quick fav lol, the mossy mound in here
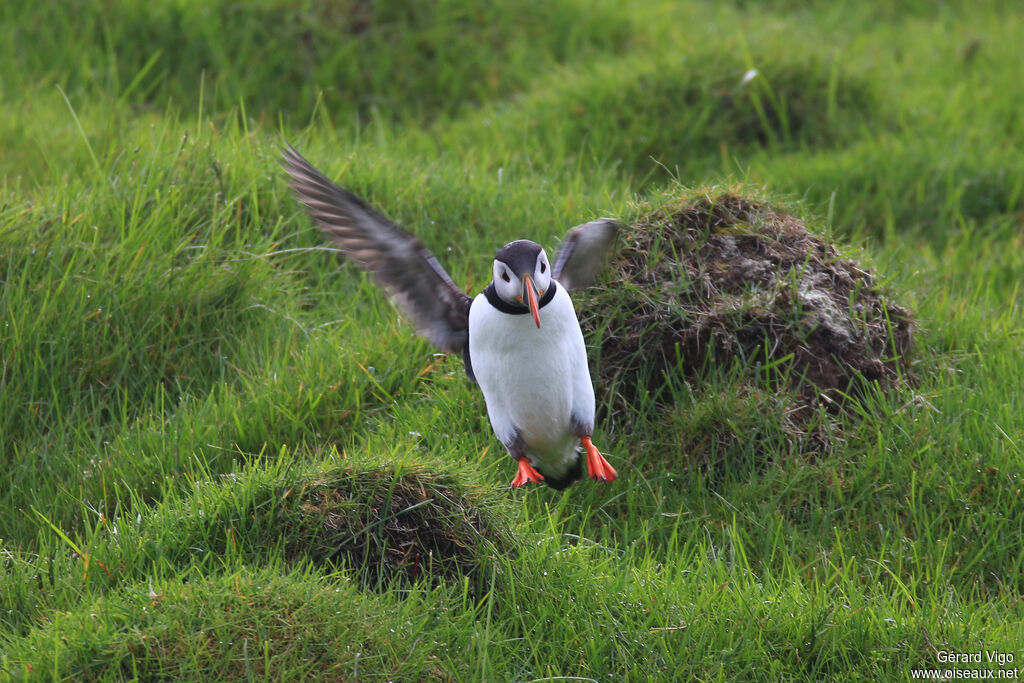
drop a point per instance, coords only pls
(379, 522)
(683, 116)
(724, 279)
(263, 623)
(384, 524)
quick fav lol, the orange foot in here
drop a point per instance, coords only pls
(597, 467)
(526, 473)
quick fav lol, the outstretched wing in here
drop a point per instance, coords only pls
(398, 262)
(582, 253)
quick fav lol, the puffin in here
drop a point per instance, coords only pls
(519, 338)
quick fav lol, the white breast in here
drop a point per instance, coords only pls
(535, 380)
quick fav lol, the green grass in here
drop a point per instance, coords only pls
(216, 440)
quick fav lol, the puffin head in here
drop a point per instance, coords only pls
(521, 275)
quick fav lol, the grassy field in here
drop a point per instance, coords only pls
(226, 458)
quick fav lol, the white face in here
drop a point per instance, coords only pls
(510, 287)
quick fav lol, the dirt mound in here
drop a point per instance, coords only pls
(717, 279)
(384, 525)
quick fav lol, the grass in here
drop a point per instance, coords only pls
(226, 458)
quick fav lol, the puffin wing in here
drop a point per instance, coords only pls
(396, 260)
(582, 253)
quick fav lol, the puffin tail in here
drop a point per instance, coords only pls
(574, 473)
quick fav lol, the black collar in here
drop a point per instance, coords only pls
(505, 307)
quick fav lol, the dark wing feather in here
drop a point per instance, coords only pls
(582, 253)
(398, 262)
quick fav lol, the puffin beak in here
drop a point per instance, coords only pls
(531, 297)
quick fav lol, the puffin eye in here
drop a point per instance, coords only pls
(504, 276)
(543, 266)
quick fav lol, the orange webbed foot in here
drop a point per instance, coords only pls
(525, 474)
(597, 467)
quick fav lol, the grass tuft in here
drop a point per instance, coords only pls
(382, 525)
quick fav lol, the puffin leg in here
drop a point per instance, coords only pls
(526, 473)
(597, 467)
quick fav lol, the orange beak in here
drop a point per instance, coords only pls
(531, 297)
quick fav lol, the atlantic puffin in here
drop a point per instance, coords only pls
(519, 338)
